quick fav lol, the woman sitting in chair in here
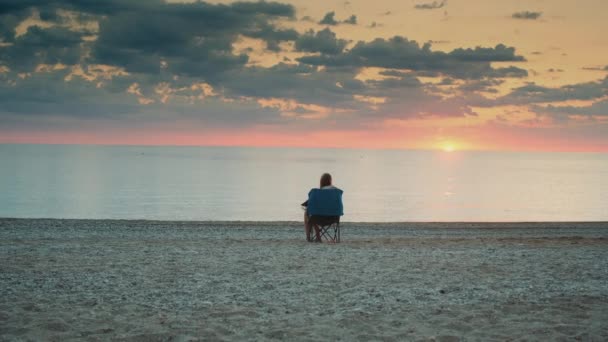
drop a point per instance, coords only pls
(323, 207)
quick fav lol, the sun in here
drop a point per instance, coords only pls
(451, 145)
(448, 147)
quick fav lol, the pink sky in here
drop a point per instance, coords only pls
(466, 75)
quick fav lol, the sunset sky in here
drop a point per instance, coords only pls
(414, 74)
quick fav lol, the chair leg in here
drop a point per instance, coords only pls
(337, 232)
(329, 233)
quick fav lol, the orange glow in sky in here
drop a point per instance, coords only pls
(321, 139)
(455, 76)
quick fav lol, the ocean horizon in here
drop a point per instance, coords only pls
(268, 184)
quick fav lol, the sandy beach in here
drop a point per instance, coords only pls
(187, 281)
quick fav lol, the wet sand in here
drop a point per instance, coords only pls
(181, 281)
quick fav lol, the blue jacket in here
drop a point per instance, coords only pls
(325, 202)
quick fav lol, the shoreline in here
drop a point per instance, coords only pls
(396, 224)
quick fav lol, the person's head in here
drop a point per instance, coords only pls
(325, 180)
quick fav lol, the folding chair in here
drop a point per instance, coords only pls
(329, 230)
(324, 210)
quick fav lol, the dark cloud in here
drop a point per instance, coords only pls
(17, 6)
(156, 42)
(338, 88)
(46, 99)
(397, 81)
(416, 103)
(596, 68)
(328, 19)
(273, 36)
(39, 45)
(324, 41)
(486, 85)
(532, 93)
(330, 87)
(510, 71)
(49, 94)
(8, 23)
(394, 73)
(180, 45)
(188, 38)
(192, 39)
(599, 108)
(107, 7)
(401, 53)
(431, 5)
(526, 15)
(499, 53)
(352, 20)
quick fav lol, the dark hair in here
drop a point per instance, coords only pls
(325, 180)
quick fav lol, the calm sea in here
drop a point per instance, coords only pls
(222, 183)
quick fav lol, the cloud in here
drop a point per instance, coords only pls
(328, 19)
(49, 94)
(596, 68)
(401, 53)
(155, 44)
(54, 45)
(599, 108)
(164, 51)
(409, 101)
(302, 83)
(178, 60)
(532, 93)
(10, 16)
(192, 39)
(526, 15)
(486, 85)
(431, 5)
(324, 41)
(352, 20)
(272, 35)
(45, 99)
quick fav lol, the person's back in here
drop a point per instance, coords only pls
(324, 205)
